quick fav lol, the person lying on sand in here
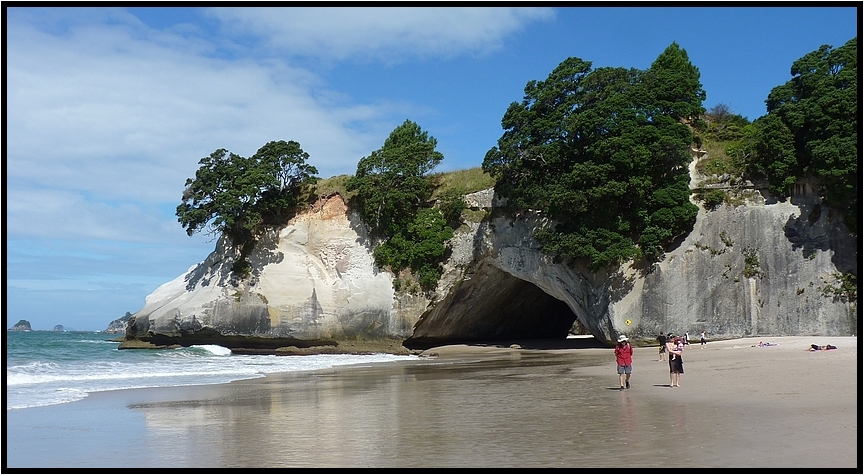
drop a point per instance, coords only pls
(821, 348)
(761, 344)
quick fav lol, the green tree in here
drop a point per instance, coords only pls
(675, 88)
(811, 129)
(775, 149)
(237, 196)
(451, 203)
(393, 194)
(420, 246)
(603, 153)
(391, 184)
(219, 199)
(285, 161)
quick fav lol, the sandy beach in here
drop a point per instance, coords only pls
(535, 405)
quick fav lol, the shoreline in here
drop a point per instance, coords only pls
(739, 406)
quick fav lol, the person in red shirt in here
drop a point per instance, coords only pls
(624, 358)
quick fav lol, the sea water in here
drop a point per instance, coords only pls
(46, 367)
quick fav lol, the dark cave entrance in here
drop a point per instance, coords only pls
(493, 306)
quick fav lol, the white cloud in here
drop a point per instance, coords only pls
(59, 214)
(101, 98)
(382, 33)
(103, 110)
(59, 284)
(99, 115)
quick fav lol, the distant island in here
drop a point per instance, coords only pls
(21, 326)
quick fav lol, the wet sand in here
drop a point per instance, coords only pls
(544, 405)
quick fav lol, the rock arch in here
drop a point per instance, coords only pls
(492, 305)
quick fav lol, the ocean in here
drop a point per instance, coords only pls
(45, 368)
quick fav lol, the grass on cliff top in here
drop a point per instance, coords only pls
(717, 162)
(336, 184)
(467, 181)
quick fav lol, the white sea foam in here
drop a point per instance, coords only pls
(41, 383)
(215, 349)
(100, 342)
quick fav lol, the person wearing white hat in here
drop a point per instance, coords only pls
(624, 358)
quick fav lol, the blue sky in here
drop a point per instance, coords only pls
(110, 109)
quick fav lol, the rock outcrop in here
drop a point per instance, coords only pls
(58, 328)
(755, 269)
(760, 268)
(118, 325)
(21, 326)
(313, 283)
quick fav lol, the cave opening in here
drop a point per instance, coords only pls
(493, 306)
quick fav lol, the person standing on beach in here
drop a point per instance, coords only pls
(670, 347)
(676, 364)
(624, 358)
(662, 339)
(702, 339)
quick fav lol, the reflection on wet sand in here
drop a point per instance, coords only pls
(519, 410)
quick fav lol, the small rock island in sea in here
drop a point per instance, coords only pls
(21, 326)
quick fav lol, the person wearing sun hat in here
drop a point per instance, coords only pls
(624, 358)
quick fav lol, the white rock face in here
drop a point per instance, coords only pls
(795, 248)
(315, 280)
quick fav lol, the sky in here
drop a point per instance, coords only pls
(108, 110)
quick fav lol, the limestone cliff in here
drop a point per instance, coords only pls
(313, 283)
(755, 269)
(759, 268)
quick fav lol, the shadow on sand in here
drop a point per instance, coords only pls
(572, 343)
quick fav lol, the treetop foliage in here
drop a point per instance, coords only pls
(391, 184)
(674, 84)
(604, 154)
(236, 196)
(811, 129)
